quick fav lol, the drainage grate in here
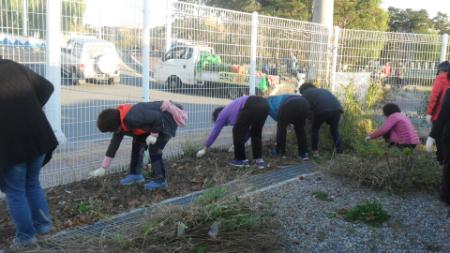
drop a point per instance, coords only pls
(107, 228)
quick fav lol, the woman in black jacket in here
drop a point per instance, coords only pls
(26, 140)
(325, 108)
(152, 125)
(441, 130)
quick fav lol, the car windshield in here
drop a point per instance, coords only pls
(94, 50)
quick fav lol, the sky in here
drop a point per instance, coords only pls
(432, 6)
(123, 13)
(129, 13)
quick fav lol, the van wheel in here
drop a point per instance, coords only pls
(173, 83)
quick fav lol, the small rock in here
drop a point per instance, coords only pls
(214, 230)
(297, 242)
(68, 224)
(181, 228)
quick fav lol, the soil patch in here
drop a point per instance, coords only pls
(88, 201)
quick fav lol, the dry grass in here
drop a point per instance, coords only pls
(245, 226)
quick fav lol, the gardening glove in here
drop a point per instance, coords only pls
(151, 139)
(428, 119)
(367, 139)
(429, 144)
(97, 173)
(201, 152)
(231, 149)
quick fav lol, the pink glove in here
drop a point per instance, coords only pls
(106, 162)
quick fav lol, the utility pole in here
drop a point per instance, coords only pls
(323, 11)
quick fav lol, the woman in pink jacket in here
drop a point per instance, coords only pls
(397, 129)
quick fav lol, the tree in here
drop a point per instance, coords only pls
(409, 21)
(281, 8)
(357, 14)
(360, 14)
(12, 16)
(441, 23)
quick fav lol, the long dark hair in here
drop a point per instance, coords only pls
(390, 108)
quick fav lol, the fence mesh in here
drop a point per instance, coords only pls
(404, 63)
(200, 57)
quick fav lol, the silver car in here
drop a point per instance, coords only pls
(89, 58)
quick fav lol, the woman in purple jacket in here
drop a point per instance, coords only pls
(247, 115)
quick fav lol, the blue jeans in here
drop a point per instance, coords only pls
(26, 200)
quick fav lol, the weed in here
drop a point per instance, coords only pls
(83, 207)
(189, 149)
(323, 196)
(149, 228)
(211, 195)
(118, 238)
(201, 249)
(369, 212)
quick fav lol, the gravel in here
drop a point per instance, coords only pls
(418, 222)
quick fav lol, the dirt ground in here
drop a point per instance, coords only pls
(88, 201)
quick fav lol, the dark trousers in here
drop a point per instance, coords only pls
(155, 151)
(445, 183)
(439, 149)
(251, 119)
(332, 118)
(387, 138)
(293, 112)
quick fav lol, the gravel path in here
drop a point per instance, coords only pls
(418, 223)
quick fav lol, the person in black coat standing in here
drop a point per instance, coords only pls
(325, 108)
(441, 130)
(27, 140)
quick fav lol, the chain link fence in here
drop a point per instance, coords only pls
(109, 52)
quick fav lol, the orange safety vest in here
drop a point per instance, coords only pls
(123, 111)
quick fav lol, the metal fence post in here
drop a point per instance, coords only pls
(444, 47)
(337, 31)
(254, 44)
(169, 25)
(146, 52)
(53, 66)
(25, 17)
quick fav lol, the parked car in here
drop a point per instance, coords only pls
(89, 58)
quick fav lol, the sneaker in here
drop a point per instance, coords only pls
(239, 163)
(156, 184)
(304, 157)
(17, 245)
(260, 164)
(43, 230)
(132, 179)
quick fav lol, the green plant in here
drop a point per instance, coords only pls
(211, 195)
(149, 228)
(323, 196)
(189, 149)
(369, 212)
(83, 207)
(118, 238)
(201, 249)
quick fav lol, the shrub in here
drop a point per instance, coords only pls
(369, 212)
(374, 164)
